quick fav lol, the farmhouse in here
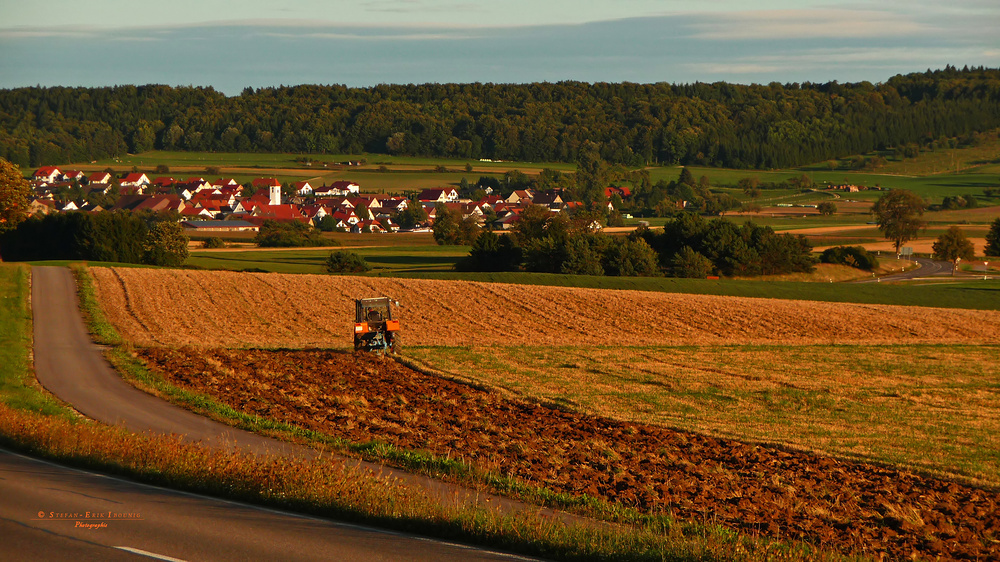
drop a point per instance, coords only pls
(48, 174)
(438, 195)
(99, 177)
(521, 196)
(347, 187)
(135, 179)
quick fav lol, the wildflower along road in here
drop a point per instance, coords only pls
(71, 366)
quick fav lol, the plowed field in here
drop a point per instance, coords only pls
(216, 308)
(854, 507)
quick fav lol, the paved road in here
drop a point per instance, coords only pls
(140, 521)
(72, 367)
(928, 268)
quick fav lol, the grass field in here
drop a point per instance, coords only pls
(933, 174)
(435, 262)
(384, 260)
(934, 408)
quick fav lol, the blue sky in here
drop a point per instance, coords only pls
(231, 45)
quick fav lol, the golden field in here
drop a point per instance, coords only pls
(230, 309)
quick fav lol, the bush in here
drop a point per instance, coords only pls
(346, 262)
(213, 243)
(274, 234)
(327, 224)
(826, 208)
(689, 263)
(491, 252)
(630, 258)
(854, 256)
(165, 245)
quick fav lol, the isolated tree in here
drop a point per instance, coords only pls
(592, 173)
(14, 194)
(686, 177)
(343, 261)
(801, 182)
(531, 224)
(411, 216)
(165, 245)
(826, 208)
(451, 228)
(953, 246)
(898, 215)
(750, 187)
(993, 239)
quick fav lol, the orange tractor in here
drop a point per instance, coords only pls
(374, 328)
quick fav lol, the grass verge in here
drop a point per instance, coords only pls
(629, 535)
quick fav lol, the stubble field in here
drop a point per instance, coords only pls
(178, 307)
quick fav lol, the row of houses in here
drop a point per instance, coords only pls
(137, 183)
(507, 210)
(197, 199)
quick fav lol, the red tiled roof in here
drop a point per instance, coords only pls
(266, 182)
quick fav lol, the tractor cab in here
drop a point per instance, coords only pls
(374, 328)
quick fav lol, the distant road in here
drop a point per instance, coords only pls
(171, 525)
(928, 267)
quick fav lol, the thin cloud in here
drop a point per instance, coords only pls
(806, 24)
(889, 57)
(736, 68)
(372, 37)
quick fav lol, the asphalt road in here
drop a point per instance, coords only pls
(72, 367)
(49, 512)
(928, 268)
(69, 365)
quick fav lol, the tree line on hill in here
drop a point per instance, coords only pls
(720, 124)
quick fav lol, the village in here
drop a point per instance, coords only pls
(225, 205)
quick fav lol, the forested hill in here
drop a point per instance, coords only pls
(720, 124)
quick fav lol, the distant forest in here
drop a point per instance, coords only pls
(721, 124)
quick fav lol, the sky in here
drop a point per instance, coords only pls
(232, 45)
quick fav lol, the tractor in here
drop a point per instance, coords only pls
(374, 328)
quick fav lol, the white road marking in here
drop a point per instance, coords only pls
(149, 554)
(330, 522)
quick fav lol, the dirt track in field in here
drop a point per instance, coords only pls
(852, 507)
(227, 309)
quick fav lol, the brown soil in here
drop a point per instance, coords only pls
(229, 309)
(853, 507)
